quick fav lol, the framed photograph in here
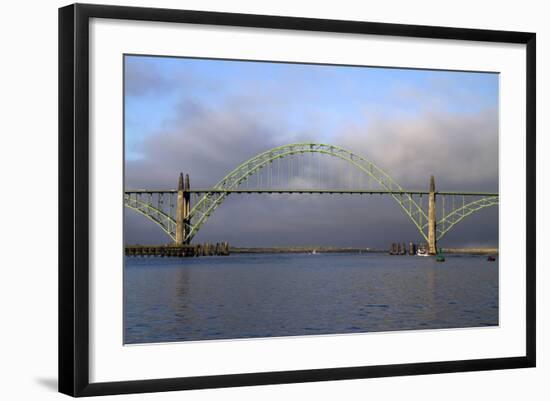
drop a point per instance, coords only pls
(251, 199)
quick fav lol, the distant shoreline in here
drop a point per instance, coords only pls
(471, 251)
(210, 249)
(322, 249)
(305, 249)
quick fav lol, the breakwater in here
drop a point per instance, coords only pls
(223, 249)
(397, 248)
(185, 250)
(305, 249)
(471, 251)
(401, 250)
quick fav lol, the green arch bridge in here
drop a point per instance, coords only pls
(296, 168)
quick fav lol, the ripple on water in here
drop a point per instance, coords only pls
(250, 296)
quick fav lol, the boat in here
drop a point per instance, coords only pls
(491, 258)
(422, 251)
(314, 252)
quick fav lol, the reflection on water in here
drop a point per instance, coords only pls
(244, 296)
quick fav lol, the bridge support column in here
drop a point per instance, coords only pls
(432, 245)
(182, 209)
(187, 203)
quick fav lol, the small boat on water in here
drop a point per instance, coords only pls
(491, 258)
(422, 251)
(314, 252)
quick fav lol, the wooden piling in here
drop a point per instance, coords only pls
(184, 250)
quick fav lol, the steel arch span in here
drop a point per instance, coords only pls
(211, 201)
(215, 196)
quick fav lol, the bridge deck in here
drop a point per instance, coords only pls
(307, 191)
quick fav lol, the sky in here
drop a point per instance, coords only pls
(204, 117)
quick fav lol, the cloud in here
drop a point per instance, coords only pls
(461, 150)
(207, 143)
(143, 78)
(209, 140)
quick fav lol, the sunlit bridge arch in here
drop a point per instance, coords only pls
(166, 222)
(152, 204)
(456, 215)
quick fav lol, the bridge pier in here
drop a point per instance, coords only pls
(432, 245)
(187, 203)
(183, 208)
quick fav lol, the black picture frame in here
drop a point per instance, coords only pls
(74, 198)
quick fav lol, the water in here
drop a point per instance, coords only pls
(264, 295)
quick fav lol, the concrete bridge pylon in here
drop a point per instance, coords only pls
(183, 208)
(432, 242)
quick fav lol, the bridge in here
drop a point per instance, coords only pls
(305, 168)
